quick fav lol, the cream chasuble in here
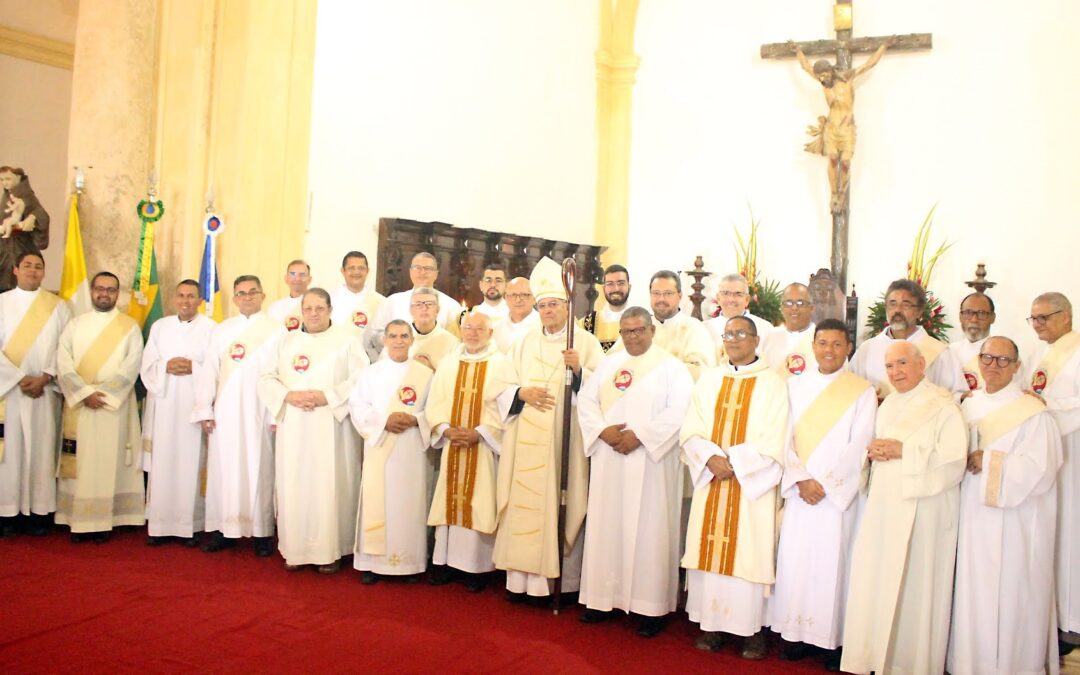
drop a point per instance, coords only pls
(175, 452)
(631, 559)
(101, 485)
(790, 353)
(526, 542)
(463, 507)
(1004, 618)
(240, 456)
(1053, 371)
(900, 595)
(833, 418)
(30, 326)
(316, 452)
(942, 368)
(358, 311)
(287, 311)
(391, 526)
(740, 413)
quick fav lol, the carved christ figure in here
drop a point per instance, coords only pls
(834, 136)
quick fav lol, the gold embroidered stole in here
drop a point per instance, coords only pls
(606, 332)
(435, 345)
(825, 411)
(373, 477)
(461, 460)
(22, 341)
(993, 426)
(96, 355)
(720, 526)
(1058, 355)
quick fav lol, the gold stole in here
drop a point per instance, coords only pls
(1057, 356)
(607, 332)
(825, 411)
(435, 347)
(630, 372)
(107, 341)
(720, 525)
(995, 425)
(373, 477)
(461, 461)
(252, 338)
(22, 341)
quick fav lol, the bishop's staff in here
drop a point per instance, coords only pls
(569, 272)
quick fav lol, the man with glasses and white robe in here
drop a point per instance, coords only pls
(423, 272)
(733, 299)
(976, 317)
(789, 349)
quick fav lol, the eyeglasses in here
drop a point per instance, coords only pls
(666, 295)
(732, 294)
(979, 314)
(1002, 361)
(518, 296)
(550, 305)
(795, 303)
(905, 305)
(248, 294)
(1040, 320)
(615, 284)
(299, 275)
(735, 336)
(423, 268)
(633, 332)
(425, 304)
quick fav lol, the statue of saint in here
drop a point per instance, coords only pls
(829, 300)
(24, 223)
(834, 136)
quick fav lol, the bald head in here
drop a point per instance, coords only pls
(905, 365)
(519, 298)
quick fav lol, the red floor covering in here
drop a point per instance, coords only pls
(126, 607)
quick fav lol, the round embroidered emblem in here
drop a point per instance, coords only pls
(796, 364)
(407, 395)
(359, 319)
(1038, 381)
(972, 381)
(237, 352)
(292, 323)
(300, 363)
(623, 379)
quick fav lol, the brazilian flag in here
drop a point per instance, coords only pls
(145, 306)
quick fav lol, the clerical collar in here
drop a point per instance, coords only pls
(558, 332)
(747, 365)
(670, 318)
(193, 316)
(303, 328)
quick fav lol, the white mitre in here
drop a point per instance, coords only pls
(546, 280)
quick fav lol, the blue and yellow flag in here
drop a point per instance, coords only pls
(209, 286)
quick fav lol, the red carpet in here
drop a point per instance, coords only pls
(126, 607)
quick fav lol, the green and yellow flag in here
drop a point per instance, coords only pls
(145, 306)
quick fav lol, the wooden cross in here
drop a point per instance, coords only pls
(843, 47)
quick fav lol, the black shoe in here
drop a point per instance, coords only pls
(650, 626)
(1065, 648)
(540, 601)
(755, 647)
(411, 578)
(101, 537)
(81, 537)
(832, 660)
(8, 527)
(476, 583)
(190, 542)
(440, 575)
(156, 541)
(38, 525)
(710, 641)
(264, 546)
(596, 616)
(515, 598)
(218, 542)
(794, 651)
(369, 578)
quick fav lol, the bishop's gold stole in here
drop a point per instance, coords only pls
(461, 460)
(22, 341)
(96, 355)
(720, 525)
(373, 477)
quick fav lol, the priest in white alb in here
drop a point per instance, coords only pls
(905, 301)
(522, 316)
(1053, 373)
(732, 300)
(31, 321)
(306, 388)
(531, 399)
(789, 349)
(630, 411)
(287, 309)
(1004, 617)
(356, 306)
(900, 594)
(240, 451)
(174, 452)
(431, 342)
(100, 475)
(387, 407)
(832, 413)
(465, 426)
(423, 272)
(977, 315)
(733, 442)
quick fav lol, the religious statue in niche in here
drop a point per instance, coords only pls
(24, 223)
(829, 300)
(834, 136)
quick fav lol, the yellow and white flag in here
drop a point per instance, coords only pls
(74, 286)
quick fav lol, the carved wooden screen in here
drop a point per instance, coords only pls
(463, 252)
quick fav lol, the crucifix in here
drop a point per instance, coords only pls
(834, 136)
